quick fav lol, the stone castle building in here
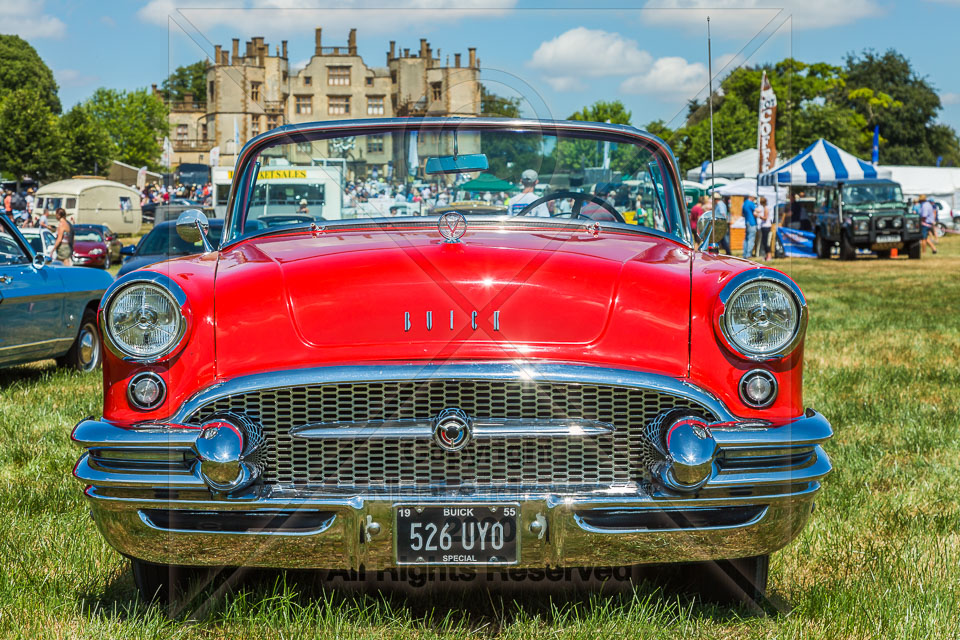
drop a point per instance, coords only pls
(253, 92)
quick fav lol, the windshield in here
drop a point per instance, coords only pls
(881, 193)
(404, 172)
(164, 241)
(86, 234)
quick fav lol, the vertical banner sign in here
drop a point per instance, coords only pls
(215, 156)
(141, 178)
(166, 156)
(875, 155)
(766, 127)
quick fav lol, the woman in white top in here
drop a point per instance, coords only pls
(765, 217)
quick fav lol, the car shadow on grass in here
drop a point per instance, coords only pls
(448, 600)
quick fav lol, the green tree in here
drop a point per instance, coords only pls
(87, 148)
(602, 111)
(843, 127)
(23, 68)
(911, 132)
(29, 139)
(734, 130)
(498, 106)
(136, 122)
(190, 78)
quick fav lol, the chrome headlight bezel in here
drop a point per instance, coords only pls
(168, 287)
(736, 285)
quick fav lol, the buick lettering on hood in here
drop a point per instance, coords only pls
(572, 379)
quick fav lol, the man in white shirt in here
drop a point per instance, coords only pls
(515, 205)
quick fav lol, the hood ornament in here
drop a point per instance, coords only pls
(452, 226)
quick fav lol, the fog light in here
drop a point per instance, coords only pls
(229, 452)
(758, 388)
(146, 391)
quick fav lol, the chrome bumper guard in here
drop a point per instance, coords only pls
(152, 504)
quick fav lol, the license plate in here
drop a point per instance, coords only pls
(890, 238)
(463, 535)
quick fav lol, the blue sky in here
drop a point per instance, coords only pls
(557, 56)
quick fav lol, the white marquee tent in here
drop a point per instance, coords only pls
(821, 162)
(941, 182)
(744, 164)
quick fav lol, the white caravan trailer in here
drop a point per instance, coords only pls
(92, 201)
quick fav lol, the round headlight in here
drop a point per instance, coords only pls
(763, 318)
(143, 321)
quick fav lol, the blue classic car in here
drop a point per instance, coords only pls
(46, 310)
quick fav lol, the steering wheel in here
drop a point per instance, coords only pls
(578, 200)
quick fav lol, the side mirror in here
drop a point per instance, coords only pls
(712, 229)
(128, 250)
(192, 227)
(39, 260)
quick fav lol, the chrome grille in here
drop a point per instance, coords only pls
(493, 462)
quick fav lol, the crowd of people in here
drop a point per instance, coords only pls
(157, 194)
(758, 218)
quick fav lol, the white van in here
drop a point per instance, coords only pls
(92, 201)
(281, 188)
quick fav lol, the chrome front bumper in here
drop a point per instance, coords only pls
(173, 518)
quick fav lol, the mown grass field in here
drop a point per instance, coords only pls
(879, 559)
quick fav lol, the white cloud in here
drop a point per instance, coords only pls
(569, 61)
(581, 52)
(739, 17)
(107, 20)
(74, 78)
(281, 17)
(28, 21)
(950, 99)
(670, 77)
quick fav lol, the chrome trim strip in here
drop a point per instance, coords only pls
(817, 469)
(91, 433)
(421, 430)
(577, 518)
(526, 371)
(809, 429)
(38, 344)
(287, 534)
(87, 473)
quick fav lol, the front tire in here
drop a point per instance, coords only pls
(914, 250)
(884, 254)
(742, 581)
(161, 583)
(821, 248)
(107, 262)
(847, 250)
(86, 352)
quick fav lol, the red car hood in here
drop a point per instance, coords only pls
(84, 247)
(355, 295)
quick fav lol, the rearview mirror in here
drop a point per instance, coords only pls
(457, 164)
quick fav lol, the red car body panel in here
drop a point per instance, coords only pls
(82, 249)
(301, 299)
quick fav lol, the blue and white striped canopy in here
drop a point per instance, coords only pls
(821, 162)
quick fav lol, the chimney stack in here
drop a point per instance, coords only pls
(236, 49)
(472, 51)
(456, 60)
(352, 42)
(406, 53)
(423, 47)
(316, 37)
(393, 46)
(284, 49)
(216, 54)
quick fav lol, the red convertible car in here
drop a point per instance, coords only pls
(530, 389)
